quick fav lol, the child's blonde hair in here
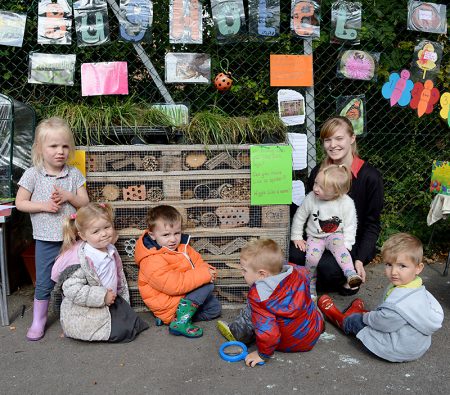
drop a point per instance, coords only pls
(43, 129)
(402, 243)
(337, 178)
(329, 128)
(263, 254)
(164, 213)
(80, 221)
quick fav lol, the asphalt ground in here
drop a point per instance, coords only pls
(160, 363)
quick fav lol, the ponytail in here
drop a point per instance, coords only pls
(70, 233)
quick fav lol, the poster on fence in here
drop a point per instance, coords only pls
(264, 18)
(12, 28)
(440, 177)
(229, 20)
(426, 61)
(54, 22)
(305, 19)
(137, 19)
(291, 70)
(291, 107)
(91, 22)
(185, 22)
(358, 65)
(427, 17)
(354, 109)
(44, 68)
(271, 174)
(188, 68)
(104, 78)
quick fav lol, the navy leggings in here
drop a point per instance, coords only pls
(209, 307)
(46, 253)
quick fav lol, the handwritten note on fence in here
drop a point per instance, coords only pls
(271, 174)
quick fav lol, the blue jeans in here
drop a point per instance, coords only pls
(46, 253)
(353, 323)
(209, 307)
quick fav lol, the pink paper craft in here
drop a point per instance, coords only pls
(106, 78)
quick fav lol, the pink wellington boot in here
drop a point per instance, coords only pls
(37, 329)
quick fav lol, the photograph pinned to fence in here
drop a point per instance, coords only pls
(291, 70)
(52, 69)
(291, 107)
(91, 22)
(54, 22)
(229, 20)
(426, 61)
(136, 22)
(12, 28)
(188, 68)
(358, 65)
(185, 22)
(305, 19)
(345, 22)
(354, 109)
(104, 78)
(264, 18)
(427, 17)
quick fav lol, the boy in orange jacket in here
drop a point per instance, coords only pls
(174, 281)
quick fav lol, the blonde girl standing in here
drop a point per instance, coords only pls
(89, 271)
(50, 191)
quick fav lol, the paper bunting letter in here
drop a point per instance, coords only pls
(137, 19)
(185, 22)
(445, 104)
(398, 89)
(424, 97)
(305, 18)
(264, 18)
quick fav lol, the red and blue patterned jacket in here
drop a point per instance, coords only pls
(283, 314)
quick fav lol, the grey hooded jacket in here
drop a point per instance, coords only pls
(400, 329)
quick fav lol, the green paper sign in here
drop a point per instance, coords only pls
(271, 174)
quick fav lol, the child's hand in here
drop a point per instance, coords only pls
(110, 297)
(50, 207)
(60, 196)
(252, 359)
(300, 244)
(213, 272)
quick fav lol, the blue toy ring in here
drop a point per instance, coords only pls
(234, 358)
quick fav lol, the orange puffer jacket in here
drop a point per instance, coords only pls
(166, 276)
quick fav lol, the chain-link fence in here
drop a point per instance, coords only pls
(397, 141)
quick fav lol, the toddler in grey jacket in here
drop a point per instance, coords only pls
(400, 328)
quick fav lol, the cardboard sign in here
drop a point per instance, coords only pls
(291, 70)
(271, 174)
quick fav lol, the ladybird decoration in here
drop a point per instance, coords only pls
(223, 81)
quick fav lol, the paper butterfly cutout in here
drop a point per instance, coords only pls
(424, 97)
(445, 104)
(398, 89)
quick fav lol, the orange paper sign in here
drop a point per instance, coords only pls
(291, 70)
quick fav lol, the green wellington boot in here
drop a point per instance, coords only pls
(183, 322)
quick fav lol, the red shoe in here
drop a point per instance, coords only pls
(329, 310)
(357, 306)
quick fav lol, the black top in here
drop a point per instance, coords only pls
(368, 195)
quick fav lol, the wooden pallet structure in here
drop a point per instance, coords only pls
(210, 186)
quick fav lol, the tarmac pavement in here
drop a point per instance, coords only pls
(159, 363)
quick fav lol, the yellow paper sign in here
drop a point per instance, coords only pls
(79, 161)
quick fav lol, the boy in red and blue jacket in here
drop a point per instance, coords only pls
(283, 315)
